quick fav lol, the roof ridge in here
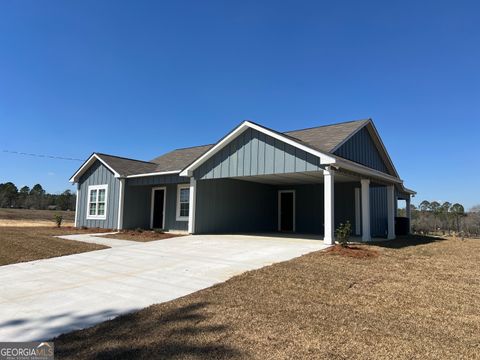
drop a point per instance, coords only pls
(326, 125)
(125, 158)
(191, 147)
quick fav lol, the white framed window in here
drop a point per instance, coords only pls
(183, 202)
(97, 202)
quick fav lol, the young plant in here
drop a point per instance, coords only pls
(58, 220)
(343, 233)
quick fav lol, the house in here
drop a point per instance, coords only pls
(254, 179)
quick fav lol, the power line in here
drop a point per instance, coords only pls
(42, 155)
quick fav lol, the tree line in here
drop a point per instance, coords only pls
(34, 198)
(434, 217)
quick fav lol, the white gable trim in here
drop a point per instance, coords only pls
(155, 174)
(94, 157)
(188, 171)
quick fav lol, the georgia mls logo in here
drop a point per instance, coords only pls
(26, 351)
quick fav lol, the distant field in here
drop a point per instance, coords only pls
(26, 217)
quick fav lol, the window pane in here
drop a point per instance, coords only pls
(184, 209)
(101, 195)
(184, 195)
(93, 196)
(92, 210)
(101, 208)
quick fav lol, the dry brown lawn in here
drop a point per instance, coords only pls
(143, 236)
(20, 244)
(33, 218)
(415, 299)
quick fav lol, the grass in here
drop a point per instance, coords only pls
(20, 244)
(27, 217)
(416, 298)
(142, 236)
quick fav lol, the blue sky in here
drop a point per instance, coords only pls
(139, 78)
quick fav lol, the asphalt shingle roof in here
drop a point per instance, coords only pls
(323, 138)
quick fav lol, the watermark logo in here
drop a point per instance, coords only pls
(32, 350)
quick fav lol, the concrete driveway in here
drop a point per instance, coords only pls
(44, 298)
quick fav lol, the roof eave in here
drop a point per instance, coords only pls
(89, 162)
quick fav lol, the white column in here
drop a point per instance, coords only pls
(391, 212)
(328, 177)
(76, 205)
(191, 210)
(366, 234)
(408, 213)
(121, 196)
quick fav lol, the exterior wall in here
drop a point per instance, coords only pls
(232, 206)
(361, 149)
(254, 153)
(229, 206)
(138, 202)
(378, 211)
(98, 174)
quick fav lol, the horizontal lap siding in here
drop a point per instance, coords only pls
(254, 153)
(98, 174)
(361, 149)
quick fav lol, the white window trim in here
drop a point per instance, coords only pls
(280, 192)
(181, 186)
(97, 187)
(152, 207)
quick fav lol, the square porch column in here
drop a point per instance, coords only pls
(328, 179)
(408, 213)
(391, 212)
(191, 209)
(366, 233)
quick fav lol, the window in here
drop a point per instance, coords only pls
(183, 202)
(97, 202)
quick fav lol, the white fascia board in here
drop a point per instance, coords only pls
(324, 158)
(89, 163)
(364, 170)
(155, 174)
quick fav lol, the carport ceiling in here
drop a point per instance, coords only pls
(308, 177)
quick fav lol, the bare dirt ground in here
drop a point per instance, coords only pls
(142, 236)
(416, 298)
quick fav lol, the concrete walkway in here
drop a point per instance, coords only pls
(44, 298)
(97, 239)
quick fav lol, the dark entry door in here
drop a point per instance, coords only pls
(287, 203)
(158, 208)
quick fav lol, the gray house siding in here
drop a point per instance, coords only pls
(232, 206)
(361, 149)
(378, 211)
(235, 206)
(98, 174)
(254, 153)
(138, 202)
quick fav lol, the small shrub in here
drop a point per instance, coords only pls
(139, 230)
(84, 227)
(58, 220)
(158, 231)
(343, 233)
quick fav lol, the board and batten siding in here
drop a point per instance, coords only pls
(378, 211)
(98, 174)
(138, 201)
(254, 153)
(361, 149)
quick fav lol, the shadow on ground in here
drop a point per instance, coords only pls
(406, 241)
(181, 332)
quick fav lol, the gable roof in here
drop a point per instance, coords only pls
(321, 141)
(180, 158)
(328, 137)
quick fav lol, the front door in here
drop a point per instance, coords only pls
(286, 209)
(158, 208)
